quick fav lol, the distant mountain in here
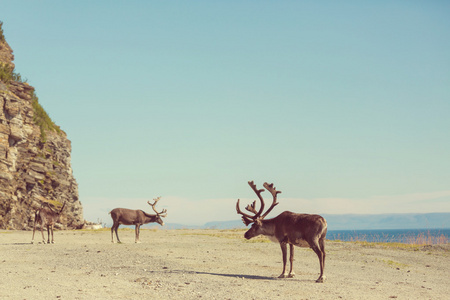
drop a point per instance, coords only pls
(224, 225)
(388, 221)
(179, 226)
(355, 222)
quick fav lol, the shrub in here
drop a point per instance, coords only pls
(42, 119)
(7, 74)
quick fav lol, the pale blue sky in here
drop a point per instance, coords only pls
(344, 105)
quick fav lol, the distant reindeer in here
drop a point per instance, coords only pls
(135, 217)
(47, 217)
(302, 230)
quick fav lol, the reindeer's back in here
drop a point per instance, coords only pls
(46, 215)
(127, 216)
(301, 227)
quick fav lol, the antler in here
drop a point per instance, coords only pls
(252, 208)
(62, 207)
(274, 193)
(258, 193)
(163, 213)
(247, 219)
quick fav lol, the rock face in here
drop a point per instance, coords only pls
(34, 160)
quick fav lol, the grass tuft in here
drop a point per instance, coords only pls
(54, 203)
(394, 264)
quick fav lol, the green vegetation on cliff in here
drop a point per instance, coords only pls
(7, 74)
(2, 37)
(42, 119)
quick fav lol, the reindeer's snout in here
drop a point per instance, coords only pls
(247, 236)
(160, 221)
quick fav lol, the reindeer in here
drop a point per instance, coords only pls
(47, 217)
(301, 230)
(135, 217)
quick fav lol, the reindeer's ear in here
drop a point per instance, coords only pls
(246, 220)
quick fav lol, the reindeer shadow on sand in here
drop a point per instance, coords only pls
(247, 276)
(15, 244)
(240, 276)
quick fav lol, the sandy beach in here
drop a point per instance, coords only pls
(211, 264)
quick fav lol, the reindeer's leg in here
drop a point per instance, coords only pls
(34, 229)
(112, 233)
(317, 249)
(117, 235)
(137, 230)
(322, 267)
(114, 228)
(42, 232)
(284, 252)
(48, 234)
(291, 260)
(51, 230)
(37, 219)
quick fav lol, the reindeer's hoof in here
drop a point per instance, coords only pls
(292, 275)
(321, 279)
(53, 242)
(137, 242)
(282, 276)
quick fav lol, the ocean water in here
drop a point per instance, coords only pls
(408, 236)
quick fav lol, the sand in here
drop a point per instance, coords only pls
(211, 264)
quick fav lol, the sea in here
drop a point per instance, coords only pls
(407, 236)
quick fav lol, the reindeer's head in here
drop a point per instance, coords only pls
(159, 220)
(255, 229)
(257, 218)
(54, 213)
(159, 215)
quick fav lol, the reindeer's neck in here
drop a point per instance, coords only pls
(150, 218)
(268, 228)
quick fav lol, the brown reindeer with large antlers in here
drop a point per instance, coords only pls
(135, 217)
(47, 217)
(301, 230)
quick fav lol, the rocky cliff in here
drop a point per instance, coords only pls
(34, 155)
